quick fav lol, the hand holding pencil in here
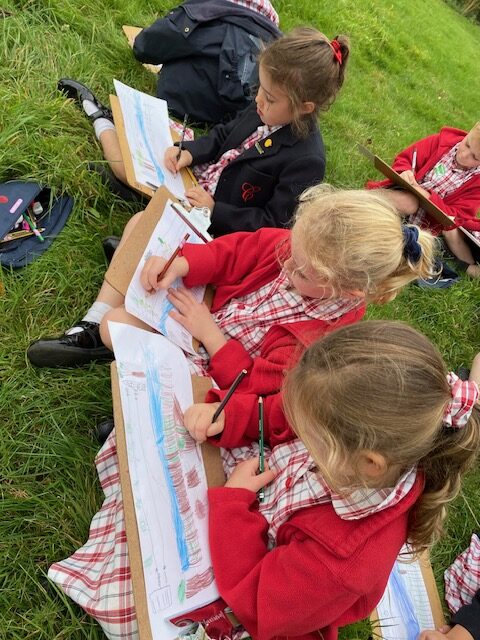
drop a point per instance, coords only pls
(159, 273)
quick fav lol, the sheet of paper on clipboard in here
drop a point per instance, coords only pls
(410, 603)
(166, 475)
(154, 308)
(148, 134)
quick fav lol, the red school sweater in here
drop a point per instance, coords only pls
(238, 264)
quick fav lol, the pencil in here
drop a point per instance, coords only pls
(187, 222)
(182, 137)
(33, 227)
(261, 464)
(235, 384)
(172, 257)
(414, 161)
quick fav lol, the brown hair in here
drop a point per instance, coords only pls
(354, 240)
(304, 62)
(381, 386)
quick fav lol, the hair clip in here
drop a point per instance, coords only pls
(412, 249)
(464, 396)
(337, 50)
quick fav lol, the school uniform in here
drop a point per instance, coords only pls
(240, 265)
(260, 187)
(331, 557)
(462, 203)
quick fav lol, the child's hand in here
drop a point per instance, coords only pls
(171, 162)
(409, 177)
(154, 266)
(198, 420)
(196, 318)
(245, 476)
(198, 197)
(456, 632)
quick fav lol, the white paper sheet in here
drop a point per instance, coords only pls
(167, 476)
(148, 134)
(405, 612)
(154, 308)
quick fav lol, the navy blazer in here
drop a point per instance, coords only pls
(260, 188)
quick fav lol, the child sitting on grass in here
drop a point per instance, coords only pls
(260, 162)
(383, 436)
(276, 290)
(447, 171)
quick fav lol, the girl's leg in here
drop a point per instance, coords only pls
(82, 344)
(120, 314)
(462, 251)
(112, 153)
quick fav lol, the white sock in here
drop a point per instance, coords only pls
(94, 314)
(101, 124)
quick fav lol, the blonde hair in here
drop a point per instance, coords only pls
(381, 386)
(304, 63)
(354, 240)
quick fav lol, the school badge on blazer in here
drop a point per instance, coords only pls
(31, 217)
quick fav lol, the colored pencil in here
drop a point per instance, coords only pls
(261, 465)
(414, 161)
(235, 384)
(33, 227)
(182, 137)
(177, 210)
(172, 257)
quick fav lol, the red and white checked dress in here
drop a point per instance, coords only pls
(97, 576)
(462, 578)
(444, 178)
(248, 318)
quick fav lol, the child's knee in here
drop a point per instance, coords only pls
(115, 315)
(131, 224)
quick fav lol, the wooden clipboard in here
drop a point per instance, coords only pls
(132, 33)
(187, 176)
(215, 478)
(430, 207)
(125, 260)
(432, 592)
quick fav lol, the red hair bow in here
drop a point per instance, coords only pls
(337, 51)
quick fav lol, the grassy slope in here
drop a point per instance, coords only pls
(402, 85)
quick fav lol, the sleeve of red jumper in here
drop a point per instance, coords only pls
(241, 420)
(265, 372)
(462, 205)
(288, 591)
(217, 262)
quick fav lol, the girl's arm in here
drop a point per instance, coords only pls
(227, 260)
(292, 181)
(288, 591)
(425, 149)
(207, 148)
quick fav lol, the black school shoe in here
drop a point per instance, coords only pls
(104, 429)
(74, 350)
(80, 92)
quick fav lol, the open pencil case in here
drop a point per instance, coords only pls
(23, 207)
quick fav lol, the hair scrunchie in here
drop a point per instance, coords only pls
(337, 50)
(412, 249)
(464, 396)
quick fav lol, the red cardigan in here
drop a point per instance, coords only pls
(324, 573)
(238, 264)
(463, 204)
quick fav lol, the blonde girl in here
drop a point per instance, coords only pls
(276, 290)
(384, 435)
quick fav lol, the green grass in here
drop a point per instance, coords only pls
(413, 69)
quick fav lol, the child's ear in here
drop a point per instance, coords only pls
(372, 465)
(308, 107)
